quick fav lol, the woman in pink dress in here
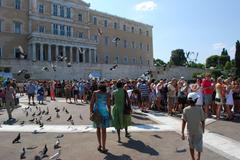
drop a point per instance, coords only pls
(52, 91)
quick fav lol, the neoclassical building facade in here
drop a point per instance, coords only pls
(47, 29)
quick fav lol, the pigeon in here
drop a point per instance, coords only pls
(43, 112)
(43, 153)
(70, 118)
(39, 113)
(37, 157)
(63, 109)
(116, 40)
(16, 140)
(26, 114)
(69, 64)
(21, 53)
(31, 120)
(47, 112)
(66, 111)
(80, 117)
(100, 32)
(46, 69)
(33, 114)
(60, 136)
(58, 116)
(41, 124)
(54, 67)
(82, 50)
(114, 67)
(35, 132)
(21, 72)
(22, 156)
(72, 122)
(57, 144)
(57, 109)
(62, 58)
(22, 123)
(56, 155)
(49, 119)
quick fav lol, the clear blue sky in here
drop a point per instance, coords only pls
(204, 26)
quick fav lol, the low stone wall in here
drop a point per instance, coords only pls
(77, 71)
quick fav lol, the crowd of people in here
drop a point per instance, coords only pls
(220, 97)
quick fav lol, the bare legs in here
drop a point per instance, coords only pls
(101, 139)
(193, 156)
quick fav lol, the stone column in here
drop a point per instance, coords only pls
(71, 55)
(84, 58)
(34, 52)
(41, 52)
(77, 55)
(64, 51)
(95, 55)
(49, 53)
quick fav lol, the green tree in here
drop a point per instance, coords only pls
(224, 58)
(237, 58)
(228, 66)
(158, 62)
(178, 57)
(212, 61)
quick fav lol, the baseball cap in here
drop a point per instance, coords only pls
(193, 96)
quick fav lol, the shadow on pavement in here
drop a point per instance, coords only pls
(110, 156)
(141, 147)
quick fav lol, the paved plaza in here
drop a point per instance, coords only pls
(153, 135)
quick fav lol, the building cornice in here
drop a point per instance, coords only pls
(118, 17)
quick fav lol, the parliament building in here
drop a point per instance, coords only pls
(91, 41)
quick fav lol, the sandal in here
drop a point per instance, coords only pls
(99, 148)
(104, 150)
(128, 135)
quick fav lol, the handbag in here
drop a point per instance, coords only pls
(96, 117)
(127, 107)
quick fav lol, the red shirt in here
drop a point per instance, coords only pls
(207, 83)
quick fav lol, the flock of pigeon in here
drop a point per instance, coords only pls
(37, 116)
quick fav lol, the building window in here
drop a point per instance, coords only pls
(117, 60)
(106, 41)
(140, 31)
(80, 34)
(132, 29)
(125, 60)
(68, 12)
(95, 20)
(80, 17)
(134, 61)
(62, 30)
(105, 23)
(141, 46)
(55, 29)
(62, 11)
(55, 9)
(115, 25)
(17, 4)
(106, 60)
(1, 54)
(124, 27)
(41, 29)
(148, 48)
(141, 61)
(1, 25)
(133, 44)
(125, 43)
(95, 38)
(40, 8)
(147, 33)
(69, 31)
(0, 3)
(17, 27)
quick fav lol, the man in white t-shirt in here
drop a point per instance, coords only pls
(194, 117)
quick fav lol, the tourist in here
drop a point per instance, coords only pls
(194, 118)
(68, 91)
(229, 98)
(144, 92)
(236, 96)
(198, 89)
(207, 88)
(121, 110)
(10, 95)
(52, 90)
(31, 89)
(171, 95)
(75, 92)
(101, 103)
(220, 96)
(40, 94)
